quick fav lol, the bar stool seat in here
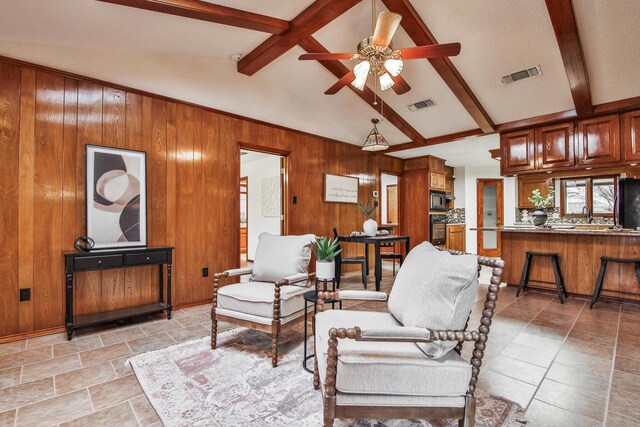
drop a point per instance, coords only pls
(526, 269)
(603, 269)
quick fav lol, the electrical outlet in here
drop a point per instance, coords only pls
(25, 294)
(205, 272)
(295, 200)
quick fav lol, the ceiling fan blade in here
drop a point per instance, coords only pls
(327, 56)
(400, 85)
(430, 51)
(345, 80)
(386, 27)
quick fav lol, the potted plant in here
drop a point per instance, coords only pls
(539, 215)
(326, 251)
(370, 226)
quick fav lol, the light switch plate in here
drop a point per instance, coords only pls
(375, 194)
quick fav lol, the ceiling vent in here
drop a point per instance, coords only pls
(522, 75)
(422, 104)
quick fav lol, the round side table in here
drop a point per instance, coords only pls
(312, 297)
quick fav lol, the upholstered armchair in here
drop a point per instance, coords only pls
(407, 363)
(272, 299)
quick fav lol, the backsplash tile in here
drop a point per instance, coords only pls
(455, 216)
(523, 216)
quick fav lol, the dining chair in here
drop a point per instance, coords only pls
(351, 260)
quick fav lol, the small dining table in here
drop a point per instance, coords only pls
(376, 241)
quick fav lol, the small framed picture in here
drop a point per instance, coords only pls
(340, 188)
(116, 191)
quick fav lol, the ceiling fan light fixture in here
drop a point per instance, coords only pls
(394, 66)
(361, 71)
(375, 141)
(386, 81)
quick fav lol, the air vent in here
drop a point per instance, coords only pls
(522, 75)
(422, 104)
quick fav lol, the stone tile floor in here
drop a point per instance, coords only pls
(567, 364)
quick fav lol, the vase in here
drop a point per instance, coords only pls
(325, 270)
(370, 227)
(538, 217)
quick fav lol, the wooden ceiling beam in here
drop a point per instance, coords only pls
(310, 20)
(338, 69)
(204, 11)
(564, 25)
(443, 139)
(420, 34)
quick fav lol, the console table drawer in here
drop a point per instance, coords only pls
(93, 263)
(146, 258)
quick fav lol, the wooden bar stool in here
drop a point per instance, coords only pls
(526, 269)
(603, 269)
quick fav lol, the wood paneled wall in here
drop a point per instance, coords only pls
(193, 167)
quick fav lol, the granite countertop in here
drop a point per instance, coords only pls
(456, 223)
(563, 230)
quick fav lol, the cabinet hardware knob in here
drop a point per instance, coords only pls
(147, 258)
(99, 261)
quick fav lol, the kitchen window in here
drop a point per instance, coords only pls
(596, 193)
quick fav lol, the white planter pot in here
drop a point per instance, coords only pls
(325, 270)
(370, 227)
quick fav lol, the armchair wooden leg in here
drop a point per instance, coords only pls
(316, 373)
(214, 329)
(328, 422)
(274, 349)
(469, 419)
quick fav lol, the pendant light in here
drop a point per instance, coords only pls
(375, 141)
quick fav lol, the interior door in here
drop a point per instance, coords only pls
(244, 216)
(392, 204)
(490, 213)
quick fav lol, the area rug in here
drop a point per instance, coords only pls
(190, 385)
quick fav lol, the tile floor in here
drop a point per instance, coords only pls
(567, 364)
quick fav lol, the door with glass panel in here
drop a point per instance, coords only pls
(490, 214)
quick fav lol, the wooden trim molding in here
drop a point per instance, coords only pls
(564, 25)
(205, 11)
(420, 34)
(310, 20)
(338, 69)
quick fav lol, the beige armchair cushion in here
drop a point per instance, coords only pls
(391, 368)
(256, 298)
(434, 290)
(278, 257)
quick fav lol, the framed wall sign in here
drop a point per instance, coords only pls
(116, 197)
(340, 188)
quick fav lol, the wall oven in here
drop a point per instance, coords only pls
(438, 235)
(438, 201)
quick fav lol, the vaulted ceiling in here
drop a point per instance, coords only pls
(587, 50)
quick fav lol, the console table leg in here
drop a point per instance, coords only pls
(69, 297)
(168, 291)
(161, 281)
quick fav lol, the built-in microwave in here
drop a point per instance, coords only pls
(438, 201)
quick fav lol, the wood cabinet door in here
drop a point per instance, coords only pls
(631, 135)
(526, 186)
(518, 151)
(456, 238)
(599, 140)
(414, 206)
(438, 181)
(555, 146)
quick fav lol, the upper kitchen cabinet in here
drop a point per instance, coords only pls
(438, 181)
(598, 140)
(631, 135)
(555, 146)
(518, 151)
(526, 187)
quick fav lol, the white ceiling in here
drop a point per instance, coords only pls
(464, 152)
(189, 60)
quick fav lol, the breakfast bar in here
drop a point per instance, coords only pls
(579, 251)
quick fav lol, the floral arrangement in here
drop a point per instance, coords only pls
(542, 202)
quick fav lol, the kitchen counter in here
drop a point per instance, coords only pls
(595, 231)
(579, 253)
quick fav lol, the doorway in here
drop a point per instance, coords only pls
(389, 198)
(490, 213)
(261, 199)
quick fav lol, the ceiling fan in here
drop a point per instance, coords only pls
(377, 57)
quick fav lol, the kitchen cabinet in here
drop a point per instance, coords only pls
(448, 186)
(555, 146)
(414, 215)
(526, 186)
(456, 237)
(631, 135)
(598, 140)
(518, 151)
(438, 181)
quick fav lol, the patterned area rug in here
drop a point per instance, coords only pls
(190, 385)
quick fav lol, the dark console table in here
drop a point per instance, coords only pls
(76, 262)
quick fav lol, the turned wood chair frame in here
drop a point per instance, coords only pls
(465, 415)
(276, 325)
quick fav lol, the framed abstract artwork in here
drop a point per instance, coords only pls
(116, 197)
